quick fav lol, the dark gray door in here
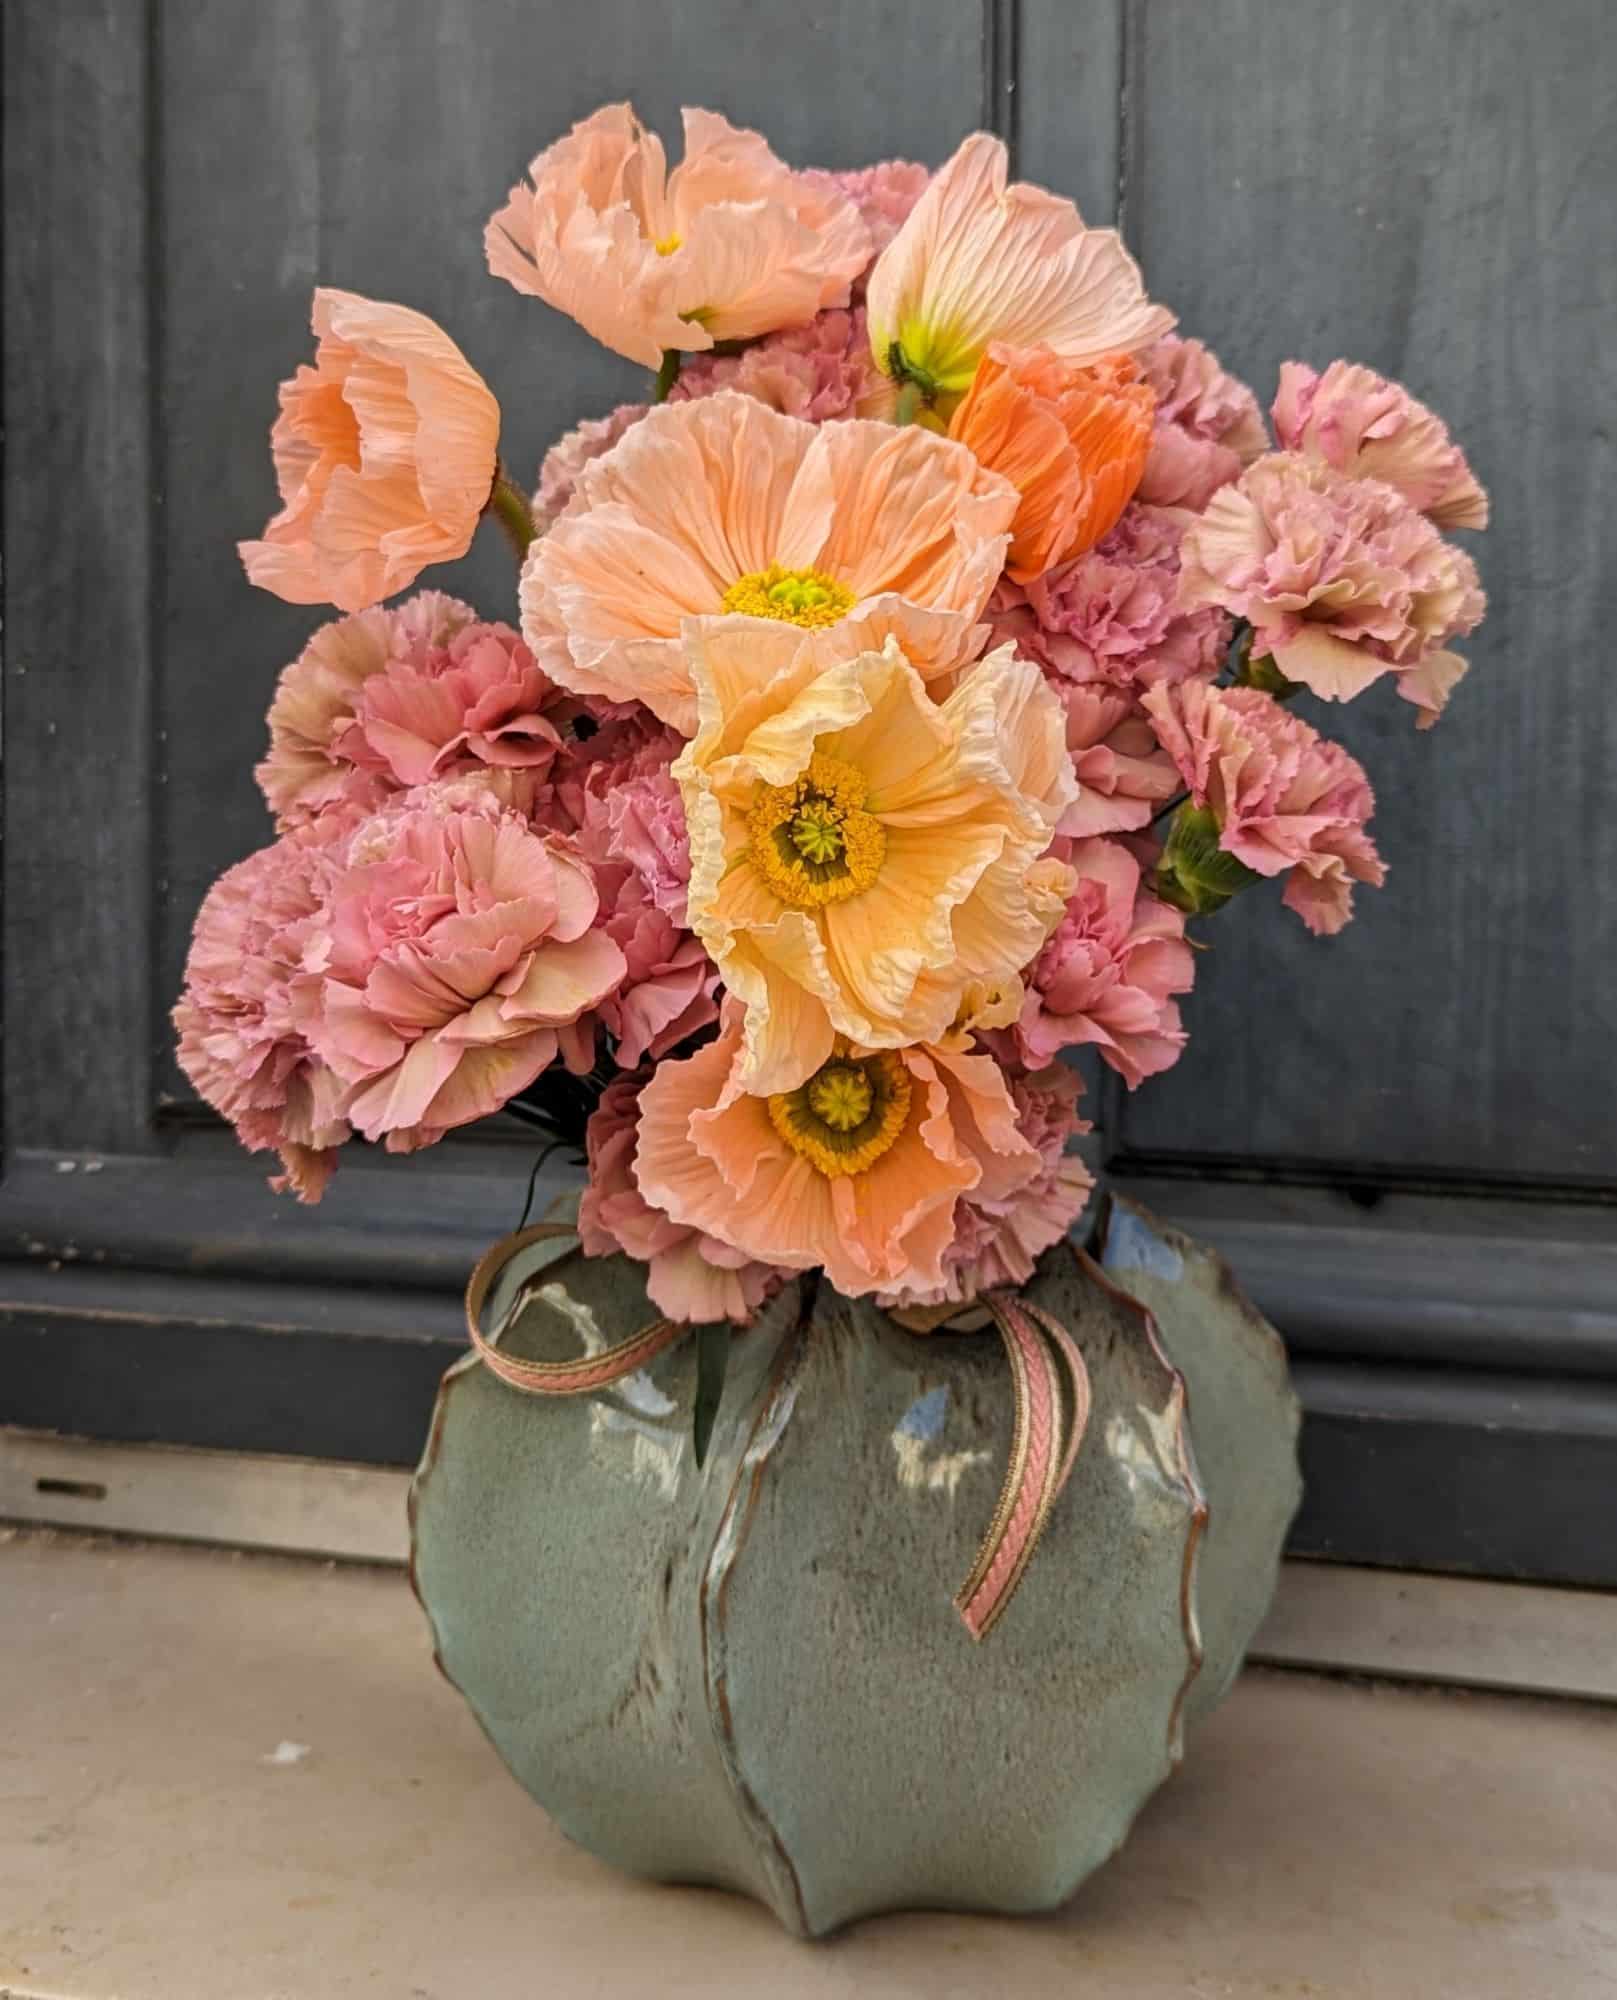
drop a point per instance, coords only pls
(1404, 1136)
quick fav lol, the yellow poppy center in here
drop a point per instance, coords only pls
(813, 840)
(799, 596)
(665, 246)
(849, 1113)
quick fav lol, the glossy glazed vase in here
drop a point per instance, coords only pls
(752, 1674)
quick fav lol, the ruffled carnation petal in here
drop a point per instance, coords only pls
(1208, 425)
(1370, 428)
(1286, 801)
(1340, 578)
(1108, 975)
(459, 944)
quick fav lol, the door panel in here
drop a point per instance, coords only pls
(1428, 189)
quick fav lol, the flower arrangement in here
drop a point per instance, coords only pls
(891, 692)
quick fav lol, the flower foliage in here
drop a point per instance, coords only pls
(898, 685)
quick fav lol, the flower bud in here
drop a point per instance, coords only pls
(1195, 874)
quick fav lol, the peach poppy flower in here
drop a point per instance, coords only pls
(690, 1276)
(979, 261)
(385, 453)
(730, 245)
(1072, 441)
(723, 505)
(862, 855)
(858, 1170)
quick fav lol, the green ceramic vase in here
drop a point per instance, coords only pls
(751, 1673)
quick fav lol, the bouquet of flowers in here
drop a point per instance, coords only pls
(891, 691)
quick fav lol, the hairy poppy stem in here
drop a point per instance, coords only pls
(510, 508)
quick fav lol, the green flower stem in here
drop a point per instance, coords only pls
(1258, 670)
(908, 406)
(509, 506)
(667, 374)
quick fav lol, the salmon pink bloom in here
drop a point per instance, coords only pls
(817, 372)
(997, 1242)
(462, 949)
(1341, 579)
(722, 505)
(1124, 775)
(259, 948)
(318, 694)
(861, 854)
(476, 704)
(1113, 614)
(1107, 977)
(690, 1276)
(1371, 428)
(979, 261)
(1208, 424)
(858, 1169)
(1072, 441)
(630, 823)
(397, 697)
(1274, 795)
(730, 245)
(385, 453)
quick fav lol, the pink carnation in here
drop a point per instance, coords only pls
(1208, 424)
(816, 372)
(690, 1276)
(476, 703)
(389, 699)
(1341, 579)
(883, 195)
(567, 458)
(1286, 801)
(259, 948)
(462, 950)
(318, 694)
(630, 827)
(1113, 614)
(1109, 971)
(1370, 428)
(998, 1242)
(1124, 775)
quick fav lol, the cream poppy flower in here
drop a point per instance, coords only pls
(978, 260)
(724, 505)
(864, 859)
(730, 245)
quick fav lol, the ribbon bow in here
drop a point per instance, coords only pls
(1049, 1382)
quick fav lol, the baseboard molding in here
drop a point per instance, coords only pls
(299, 1506)
(1464, 1631)
(1391, 1624)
